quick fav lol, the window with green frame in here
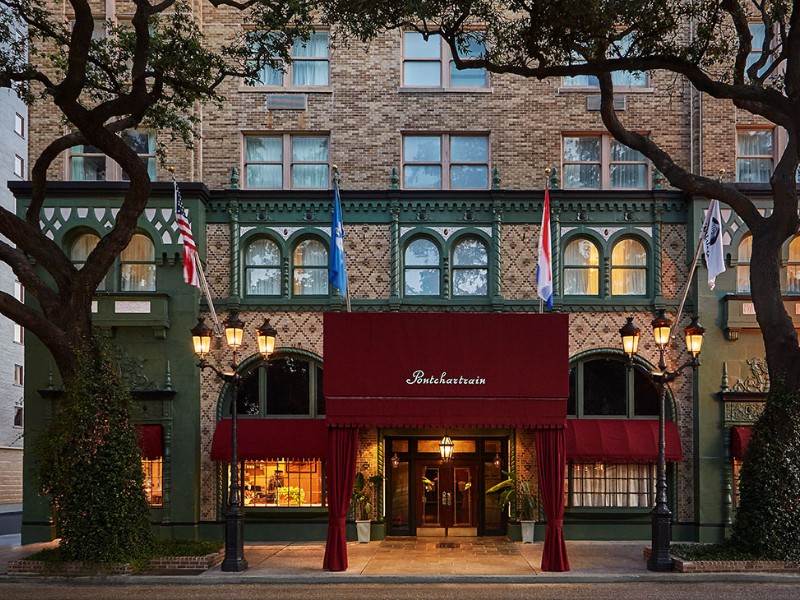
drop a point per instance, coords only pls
(262, 268)
(601, 385)
(289, 385)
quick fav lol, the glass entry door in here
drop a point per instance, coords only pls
(446, 496)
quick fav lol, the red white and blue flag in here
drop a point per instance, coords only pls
(544, 268)
(186, 238)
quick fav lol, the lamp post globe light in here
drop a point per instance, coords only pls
(662, 326)
(201, 339)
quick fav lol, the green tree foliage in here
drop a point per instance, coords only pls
(90, 467)
(769, 491)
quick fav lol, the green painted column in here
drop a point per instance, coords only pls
(235, 258)
(496, 261)
(394, 255)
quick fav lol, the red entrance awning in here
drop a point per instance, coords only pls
(740, 438)
(150, 438)
(264, 439)
(619, 441)
(446, 369)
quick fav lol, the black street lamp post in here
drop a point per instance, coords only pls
(661, 515)
(201, 338)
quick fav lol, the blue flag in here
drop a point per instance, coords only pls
(337, 270)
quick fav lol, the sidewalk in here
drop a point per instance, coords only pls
(424, 560)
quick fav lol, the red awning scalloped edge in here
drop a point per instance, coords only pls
(620, 440)
(740, 438)
(265, 439)
(150, 438)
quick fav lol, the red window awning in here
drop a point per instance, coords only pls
(619, 441)
(446, 369)
(740, 438)
(264, 439)
(150, 438)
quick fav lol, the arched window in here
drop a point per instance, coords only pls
(743, 264)
(310, 269)
(422, 268)
(289, 386)
(80, 250)
(581, 268)
(470, 268)
(262, 266)
(603, 387)
(628, 268)
(793, 267)
(137, 265)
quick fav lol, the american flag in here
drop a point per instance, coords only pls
(187, 239)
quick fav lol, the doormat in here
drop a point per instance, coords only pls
(448, 545)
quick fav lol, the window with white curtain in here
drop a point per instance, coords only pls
(310, 65)
(628, 268)
(793, 267)
(422, 268)
(635, 79)
(137, 266)
(446, 161)
(429, 62)
(286, 162)
(754, 155)
(89, 163)
(581, 268)
(80, 250)
(310, 268)
(611, 485)
(744, 252)
(262, 266)
(470, 268)
(601, 162)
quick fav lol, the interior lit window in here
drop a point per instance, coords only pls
(287, 483)
(263, 268)
(137, 265)
(310, 269)
(621, 485)
(745, 251)
(153, 480)
(581, 268)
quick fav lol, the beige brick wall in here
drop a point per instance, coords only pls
(10, 476)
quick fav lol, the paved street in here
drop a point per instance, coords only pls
(358, 591)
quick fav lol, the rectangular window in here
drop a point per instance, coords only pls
(754, 155)
(610, 485)
(446, 161)
(153, 480)
(601, 162)
(88, 163)
(19, 125)
(295, 483)
(19, 166)
(623, 79)
(286, 162)
(19, 332)
(19, 415)
(19, 377)
(310, 65)
(429, 62)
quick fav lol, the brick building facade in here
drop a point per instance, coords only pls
(454, 163)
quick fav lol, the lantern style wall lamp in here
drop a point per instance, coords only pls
(662, 327)
(446, 448)
(201, 340)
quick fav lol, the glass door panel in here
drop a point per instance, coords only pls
(399, 499)
(429, 485)
(492, 515)
(463, 492)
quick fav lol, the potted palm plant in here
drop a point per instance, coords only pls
(515, 492)
(363, 490)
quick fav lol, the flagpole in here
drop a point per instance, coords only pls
(218, 329)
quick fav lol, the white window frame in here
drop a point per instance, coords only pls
(605, 163)
(778, 142)
(444, 162)
(286, 158)
(444, 59)
(576, 83)
(19, 166)
(19, 375)
(19, 125)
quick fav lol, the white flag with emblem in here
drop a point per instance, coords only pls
(711, 234)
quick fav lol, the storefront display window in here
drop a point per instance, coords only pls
(611, 485)
(284, 483)
(153, 481)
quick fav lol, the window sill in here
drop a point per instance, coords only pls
(444, 90)
(272, 89)
(596, 90)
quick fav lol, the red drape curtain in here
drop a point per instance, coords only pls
(341, 471)
(551, 462)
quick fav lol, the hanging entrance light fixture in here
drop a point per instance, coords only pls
(446, 448)
(497, 461)
(395, 461)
